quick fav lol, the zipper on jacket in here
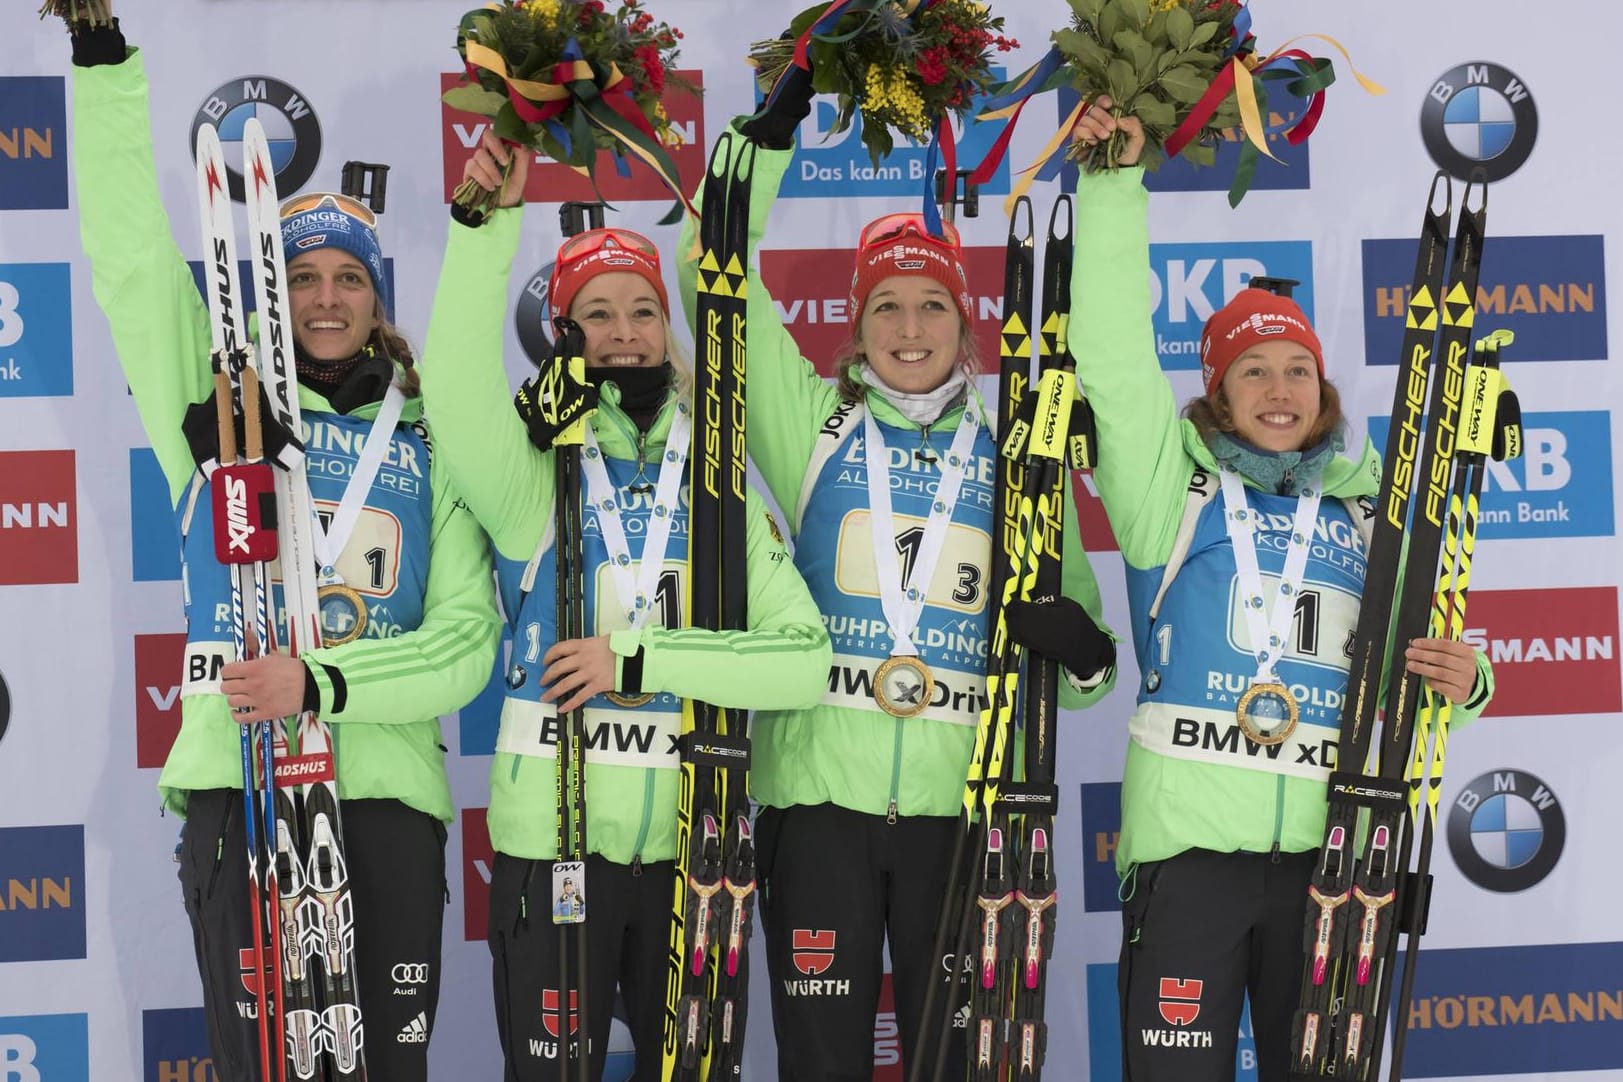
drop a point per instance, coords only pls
(895, 774)
(1279, 814)
(647, 817)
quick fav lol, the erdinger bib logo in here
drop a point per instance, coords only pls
(1479, 115)
(1506, 831)
(290, 125)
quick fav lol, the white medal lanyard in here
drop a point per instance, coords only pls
(637, 594)
(904, 608)
(330, 541)
(1269, 631)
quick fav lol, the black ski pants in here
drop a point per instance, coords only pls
(396, 861)
(837, 885)
(1201, 931)
(628, 926)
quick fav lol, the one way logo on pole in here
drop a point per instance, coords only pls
(812, 951)
(1180, 1000)
(549, 1011)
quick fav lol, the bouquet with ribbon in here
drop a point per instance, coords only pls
(904, 64)
(570, 78)
(91, 13)
(1190, 70)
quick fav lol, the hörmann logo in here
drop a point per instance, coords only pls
(1550, 291)
(39, 529)
(33, 159)
(290, 126)
(42, 903)
(1553, 651)
(1479, 116)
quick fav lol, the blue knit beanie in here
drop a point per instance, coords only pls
(327, 225)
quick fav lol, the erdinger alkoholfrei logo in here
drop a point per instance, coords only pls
(290, 125)
(1506, 830)
(1479, 115)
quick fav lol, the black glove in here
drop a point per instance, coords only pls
(773, 128)
(1062, 630)
(201, 427)
(552, 399)
(95, 44)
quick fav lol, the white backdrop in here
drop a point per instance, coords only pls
(1524, 971)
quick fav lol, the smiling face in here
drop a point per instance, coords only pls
(622, 319)
(334, 305)
(911, 333)
(1273, 394)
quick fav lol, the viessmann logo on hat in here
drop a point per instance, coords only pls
(1264, 323)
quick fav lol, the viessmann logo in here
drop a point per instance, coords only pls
(551, 182)
(812, 290)
(39, 534)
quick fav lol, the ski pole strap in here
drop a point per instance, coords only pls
(331, 539)
(636, 593)
(903, 608)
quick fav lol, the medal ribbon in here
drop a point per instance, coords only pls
(903, 609)
(1269, 633)
(637, 594)
(330, 541)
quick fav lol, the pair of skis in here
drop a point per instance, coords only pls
(714, 887)
(1447, 417)
(307, 1008)
(996, 923)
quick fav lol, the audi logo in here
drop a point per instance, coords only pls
(410, 973)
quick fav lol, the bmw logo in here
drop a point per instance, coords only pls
(516, 677)
(1479, 115)
(290, 126)
(532, 317)
(1506, 830)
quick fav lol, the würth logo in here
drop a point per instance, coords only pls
(39, 532)
(812, 951)
(549, 1011)
(1180, 1000)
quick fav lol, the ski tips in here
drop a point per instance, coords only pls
(1441, 184)
(1061, 202)
(1476, 186)
(1026, 234)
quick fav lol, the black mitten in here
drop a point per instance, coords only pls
(97, 44)
(773, 128)
(1062, 630)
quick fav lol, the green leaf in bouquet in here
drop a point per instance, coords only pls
(1079, 46)
(1109, 22)
(1204, 32)
(1155, 112)
(1134, 12)
(509, 127)
(473, 98)
(1200, 153)
(1184, 83)
(1121, 80)
(1132, 45)
(1088, 9)
(1180, 27)
(876, 137)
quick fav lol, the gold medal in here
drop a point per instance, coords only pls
(342, 613)
(903, 686)
(1267, 713)
(629, 702)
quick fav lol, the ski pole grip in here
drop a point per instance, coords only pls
(225, 416)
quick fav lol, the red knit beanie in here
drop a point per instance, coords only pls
(615, 250)
(1254, 315)
(909, 250)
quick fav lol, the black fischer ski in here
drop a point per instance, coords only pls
(564, 401)
(1353, 905)
(1004, 907)
(1490, 427)
(714, 887)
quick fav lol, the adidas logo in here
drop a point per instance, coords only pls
(416, 1031)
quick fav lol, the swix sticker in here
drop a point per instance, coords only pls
(812, 950)
(1553, 651)
(1180, 1000)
